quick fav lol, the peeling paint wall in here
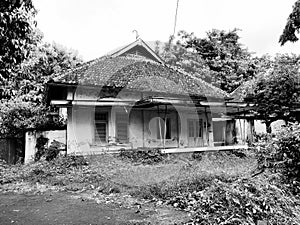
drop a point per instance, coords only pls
(142, 129)
(31, 139)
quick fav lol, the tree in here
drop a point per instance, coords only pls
(46, 61)
(275, 92)
(17, 115)
(292, 26)
(218, 58)
(26, 108)
(17, 36)
(26, 64)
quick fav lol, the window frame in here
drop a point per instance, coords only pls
(168, 132)
(126, 140)
(97, 138)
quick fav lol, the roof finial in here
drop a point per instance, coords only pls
(136, 34)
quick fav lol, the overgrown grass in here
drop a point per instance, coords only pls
(75, 173)
(216, 188)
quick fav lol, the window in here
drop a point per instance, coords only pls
(122, 127)
(163, 128)
(101, 121)
(195, 127)
(191, 128)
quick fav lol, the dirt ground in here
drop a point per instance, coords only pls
(108, 190)
(65, 208)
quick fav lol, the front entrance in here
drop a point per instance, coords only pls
(195, 132)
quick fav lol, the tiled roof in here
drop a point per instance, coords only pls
(242, 91)
(138, 73)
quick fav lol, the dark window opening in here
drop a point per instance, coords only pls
(163, 128)
(101, 123)
(122, 127)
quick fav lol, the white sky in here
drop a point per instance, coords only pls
(95, 27)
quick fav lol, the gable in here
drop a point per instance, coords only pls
(137, 48)
(139, 51)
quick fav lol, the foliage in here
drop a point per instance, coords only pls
(45, 61)
(219, 58)
(26, 107)
(167, 190)
(221, 199)
(292, 26)
(41, 147)
(145, 156)
(48, 152)
(60, 171)
(17, 28)
(26, 64)
(275, 92)
(16, 116)
(242, 202)
(282, 154)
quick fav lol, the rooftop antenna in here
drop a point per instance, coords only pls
(136, 34)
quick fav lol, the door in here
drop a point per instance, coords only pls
(195, 132)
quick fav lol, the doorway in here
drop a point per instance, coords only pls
(195, 132)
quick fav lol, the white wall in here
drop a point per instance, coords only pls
(80, 129)
(260, 126)
(32, 136)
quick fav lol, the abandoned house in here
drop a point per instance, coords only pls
(131, 99)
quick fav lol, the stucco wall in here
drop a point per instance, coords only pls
(31, 139)
(142, 129)
(260, 126)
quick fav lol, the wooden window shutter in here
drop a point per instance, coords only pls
(101, 121)
(122, 127)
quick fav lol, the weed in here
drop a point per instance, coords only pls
(145, 156)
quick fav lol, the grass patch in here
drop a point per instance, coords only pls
(216, 188)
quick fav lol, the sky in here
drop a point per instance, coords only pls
(95, 27)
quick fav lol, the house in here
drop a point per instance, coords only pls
(131, 99)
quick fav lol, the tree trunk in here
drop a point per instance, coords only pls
(268, 127)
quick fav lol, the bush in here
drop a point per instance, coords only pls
(49, 153)
(242, 202)
(70, 161)
(197, 156)
(281, 153)
(145, 156)
(189, 183)
(41, 147)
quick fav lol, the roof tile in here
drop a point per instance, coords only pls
(140, 74)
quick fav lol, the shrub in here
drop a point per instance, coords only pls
(188, 183)
(145, 156)
(287, 148)
(281, 153)
(49, 153)
(197, 155)
(245, 201)
(70, 161)
(41, 147)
